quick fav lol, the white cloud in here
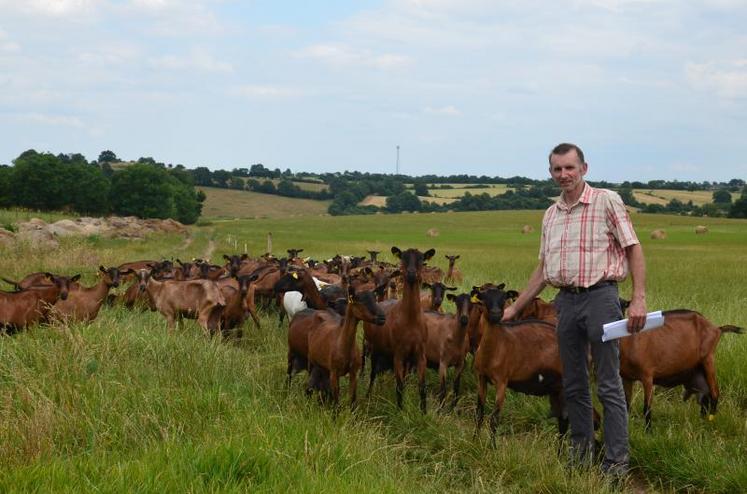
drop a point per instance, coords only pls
(342, 55)
(198, 60)
(52, 8)
(727, 79)
(265, 92)
(110, 54)
(176, 18)
(449, 111)
(7, 45)
(56, 120)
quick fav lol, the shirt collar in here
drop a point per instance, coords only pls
(584, 199)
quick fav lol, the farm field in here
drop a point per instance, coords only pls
(227, 203)
(663, 196)
(120, 405)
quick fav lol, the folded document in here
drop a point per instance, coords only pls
(618, 329)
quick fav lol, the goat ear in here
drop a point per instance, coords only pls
(225, 256)
(450, 288)
(512, 294)
(425, 285)
(102, 269)
(451, 296)
(457, 257)
(501, 286)
(244, 256)
(48, 275)
(428, 254)
(177, 260)
(368, 271)
(75, 278)
(397, 252)
(395, 273)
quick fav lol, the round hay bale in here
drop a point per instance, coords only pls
(658, 234)
(432, 232)
(527, 229)
(700, 229)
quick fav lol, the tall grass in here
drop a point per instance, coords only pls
(119, 405)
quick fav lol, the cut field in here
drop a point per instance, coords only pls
(120, 405)
(227, 203)
(663, 196)
(459, 190)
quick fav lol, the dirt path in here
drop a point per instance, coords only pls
(187, 242)
(209, 250)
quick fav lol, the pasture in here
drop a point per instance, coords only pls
(119, 405)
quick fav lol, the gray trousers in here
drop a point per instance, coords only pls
(580, 320)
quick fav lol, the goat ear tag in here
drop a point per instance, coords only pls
(295, 275)
(474, 299)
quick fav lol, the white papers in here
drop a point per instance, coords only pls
(618, 329)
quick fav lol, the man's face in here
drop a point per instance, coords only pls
(567, 170)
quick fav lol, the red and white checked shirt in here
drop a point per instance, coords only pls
(584, 243)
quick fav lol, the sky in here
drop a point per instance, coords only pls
(650, 89)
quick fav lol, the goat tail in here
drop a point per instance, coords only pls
(731, 329)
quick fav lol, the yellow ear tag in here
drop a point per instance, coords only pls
(474, 299)
(350, 299)
(295, 275)
(710, 417)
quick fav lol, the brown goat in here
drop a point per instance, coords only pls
(193, 299)
(434, 298)
(682, 352)
(19, 310)
(332, 344)
(400, 342)
(239, 303)
(453, 274)
(84, 303)
(447, 343)
(523, 356)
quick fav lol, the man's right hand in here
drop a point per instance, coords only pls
(508, 313)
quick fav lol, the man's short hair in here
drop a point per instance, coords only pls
(564, 148)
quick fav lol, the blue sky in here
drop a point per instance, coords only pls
(648, 88)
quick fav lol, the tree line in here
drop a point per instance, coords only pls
(69, 182)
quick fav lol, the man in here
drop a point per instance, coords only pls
(588, 245)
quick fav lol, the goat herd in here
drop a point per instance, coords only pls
(404, 329)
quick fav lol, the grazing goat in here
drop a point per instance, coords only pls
(331, 344)
(19, 310)
(453, 274)
(193, 299)
(681, 352)
(522, 355)
(400, 342)
(84, 303)
(447, 343)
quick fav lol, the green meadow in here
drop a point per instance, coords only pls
(119, 405)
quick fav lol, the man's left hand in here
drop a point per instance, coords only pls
(636, 315)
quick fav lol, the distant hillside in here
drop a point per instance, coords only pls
(227, 203)
(663, 196)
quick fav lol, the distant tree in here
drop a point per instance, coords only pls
(202, 176)
(37, 181)
(107, 157)
(721, 196)
(6, 197)
(404, 201)
(739, 207)
(259, 170)
(106, 169)
(236, 183)
(221, 178)
(421, 189)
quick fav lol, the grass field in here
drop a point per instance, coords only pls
(121, 406)
(226, 203)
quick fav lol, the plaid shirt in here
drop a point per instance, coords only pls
(584, 243)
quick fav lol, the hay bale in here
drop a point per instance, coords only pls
(700, 230)
(527, 229)
(659, 234)
(432, 232)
